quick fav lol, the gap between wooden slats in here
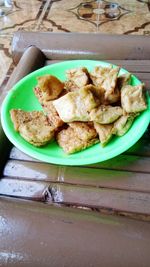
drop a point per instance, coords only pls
(92, 177)
(118, 200)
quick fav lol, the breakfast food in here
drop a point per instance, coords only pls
(105, 132)
(75, 106)
(78, 136)
(89, 107)
(132, 98)
(123, 124)
(105, 114)
(33, 126)
(50, 87)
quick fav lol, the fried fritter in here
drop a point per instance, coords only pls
(105, 77)
(71, 139)
(33, 126)
(49, 109)
(105, 114)
(50, 87)
(104, 131)
(123, 124)
(79, 76)
(84, 130)
(75, 106)
(132, 98)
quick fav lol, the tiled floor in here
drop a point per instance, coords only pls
(120, 16)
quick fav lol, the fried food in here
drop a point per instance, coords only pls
(86, 106)
(123, 124)
(123, 80)
(105, 114)
(50, 87)
(49, 109)
(105, 78)
(52, 115)
(33, 126)
(132, 98)
(79, 77)
(115, 95)
(72, 141)
(84, 131)
(104, 131)
(75, 106)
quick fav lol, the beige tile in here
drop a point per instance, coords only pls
(24, 12)
(93, 16)
(4, 65)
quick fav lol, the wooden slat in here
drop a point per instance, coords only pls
(126, 162)
(136, 66)
(125, 180)
(31, 170)
(119, 200)
(16, 153)
(46, 235)
(82, 46)
(24, 189)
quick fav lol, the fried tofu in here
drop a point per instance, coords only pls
(123, 124)
(79, 76)
(50, 87)
(52, 115)
(123, 80)
(70, 86)
(115, 95)
(132, 98)
(49, 109)
(105, 77)
(105, 114)
(84, 131)
(75, 106)
(71, 141)
(33, 126)
(104, 131)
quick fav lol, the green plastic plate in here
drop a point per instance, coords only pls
(22, 96)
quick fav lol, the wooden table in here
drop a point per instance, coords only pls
(96, 215)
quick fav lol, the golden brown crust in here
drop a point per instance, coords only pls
(50, 87)
(33, 126)
(105, 114)
(71, 139)
(78, 78)
(104, 131)
(132, 98)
